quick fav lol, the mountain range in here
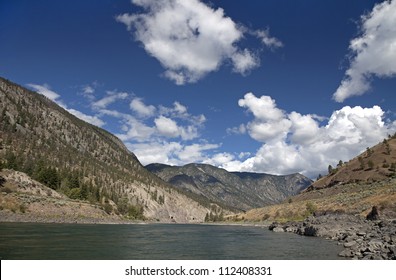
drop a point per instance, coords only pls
(48, 153)
(234, 190)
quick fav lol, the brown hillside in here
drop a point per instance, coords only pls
(353, 188)
(375, 164)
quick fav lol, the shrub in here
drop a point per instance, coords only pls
(311, 208)
(108, 208)
(266, 217)
(75, 193)
(22, 208)
(6, 190)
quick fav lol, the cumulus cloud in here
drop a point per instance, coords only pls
(142, 109)
(269, 123)
(52, 95)
(149, 123)
(293, 142)
(167, 127)
(191, 39)
(373, 53)
(173, 153)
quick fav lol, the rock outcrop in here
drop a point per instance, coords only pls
(361, 238)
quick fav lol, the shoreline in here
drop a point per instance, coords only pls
(361, 238)
(11, 217)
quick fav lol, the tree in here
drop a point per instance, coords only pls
(387, 149)
(361, 161)
(84, 191)
(11, 161)
(330, 169)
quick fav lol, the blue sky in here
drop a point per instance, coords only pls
(264, 86)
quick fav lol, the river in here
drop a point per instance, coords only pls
(157, 241)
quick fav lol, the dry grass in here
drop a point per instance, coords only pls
(351, 198)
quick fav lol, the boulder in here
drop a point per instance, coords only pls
(278, 229)
(373, 215)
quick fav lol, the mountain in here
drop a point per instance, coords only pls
(82, 161)
(235, 190)
(352, 187)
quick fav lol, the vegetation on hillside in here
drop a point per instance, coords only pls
(71, 156)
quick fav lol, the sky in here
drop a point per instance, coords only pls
(276, 86)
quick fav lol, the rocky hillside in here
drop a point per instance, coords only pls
(82, 161)
(375, 164)
(235, 190)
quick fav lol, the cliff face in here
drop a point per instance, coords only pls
(82, 161)
(234, 190)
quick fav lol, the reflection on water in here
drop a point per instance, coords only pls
(156, 241)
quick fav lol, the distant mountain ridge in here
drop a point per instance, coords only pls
(235, 190)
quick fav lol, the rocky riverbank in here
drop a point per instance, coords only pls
(362, 238)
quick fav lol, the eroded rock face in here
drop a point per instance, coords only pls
(361, 238)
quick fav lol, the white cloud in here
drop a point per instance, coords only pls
(220, 159)
(180, 111)
(134, 130)
(374, 52)
(263, 108)
(142, 109)
(241, 129)
(150, 123)
(267, 40)
(172, 153)
(169, 128)
(189, 38)
(52, 95)
(156, 152)
(89, 119)
(299, 143)
(269, 123)
(166, 127)
(244, 61)
(111, 97)
(88, 89)
(195, 152)
(45, 90)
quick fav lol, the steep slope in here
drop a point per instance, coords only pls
(233, 189)
(353, 188)
(375, 164)
(81, 160)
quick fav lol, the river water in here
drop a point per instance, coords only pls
(157, 241)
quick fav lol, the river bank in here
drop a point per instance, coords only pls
(360, 237)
